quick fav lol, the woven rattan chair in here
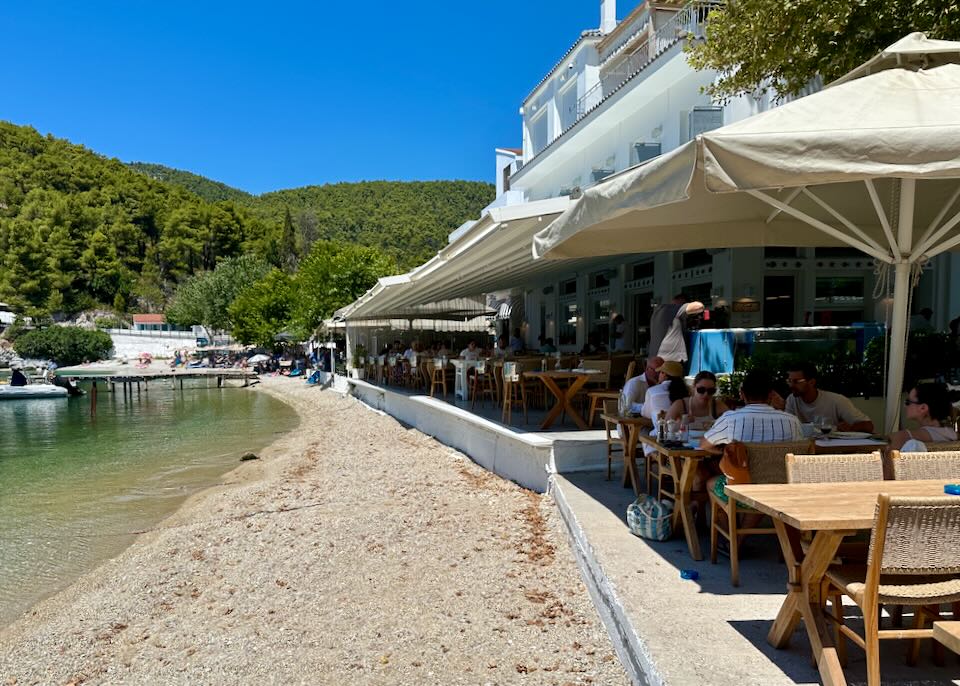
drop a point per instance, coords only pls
(767, 462)
(915, 466)
(914, 560)
(616, 440)
(818, 469)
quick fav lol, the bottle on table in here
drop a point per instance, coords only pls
(661, 426)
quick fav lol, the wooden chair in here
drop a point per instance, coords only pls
(818, 469)
(616, 440)
(482, 384)
(914, 560)
(915, 466)
(513, 391)
(768, 465)
(599, 399)
(438, 376)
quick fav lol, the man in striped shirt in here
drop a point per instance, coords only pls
(756, 422)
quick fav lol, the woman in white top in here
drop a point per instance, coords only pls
(470, 352)
(928, 404)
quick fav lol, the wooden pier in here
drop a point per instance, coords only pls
(130, 378)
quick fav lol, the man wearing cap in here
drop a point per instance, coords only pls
(658, 397)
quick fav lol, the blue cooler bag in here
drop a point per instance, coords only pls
(650, 518)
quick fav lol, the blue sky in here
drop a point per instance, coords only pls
(275, 95)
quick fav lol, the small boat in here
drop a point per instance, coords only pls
(39, 390)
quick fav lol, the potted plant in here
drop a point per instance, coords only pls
(358, 360)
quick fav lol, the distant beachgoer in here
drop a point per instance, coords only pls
(17, 378)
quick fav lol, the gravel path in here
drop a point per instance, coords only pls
(355, 552)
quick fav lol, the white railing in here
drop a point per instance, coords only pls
(689, 22)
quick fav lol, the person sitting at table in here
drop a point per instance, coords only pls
(471, 352)
(593, 346)
(703, 404)
(516, 342)
(806, 401)
(502, 349)
(17, 377)
(756, 422)
(928, 404)
(441, 350)
(635, 390)
(671, 388)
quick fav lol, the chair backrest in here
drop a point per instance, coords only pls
(812, 469)
(915, 536)
(602, 379)
(609, 410)
(631, 371)
(942, 446)
(767, 461)
(916, 466)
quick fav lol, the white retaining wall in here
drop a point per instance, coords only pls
(528, 459)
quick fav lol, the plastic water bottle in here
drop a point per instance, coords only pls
(543, 365)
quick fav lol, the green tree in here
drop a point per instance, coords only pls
(262, 310)
(205, 298)
(288, 243)
(331, 276)
(65, 345)
(759, 44)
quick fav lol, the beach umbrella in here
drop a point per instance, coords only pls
(872, 162)
(258, 358)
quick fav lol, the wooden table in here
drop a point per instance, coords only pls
(683, 464)
(564, 396)
(632, 426)
(832, 511)
(948, 633)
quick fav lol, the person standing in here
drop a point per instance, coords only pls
(618, 331)
(668, 328)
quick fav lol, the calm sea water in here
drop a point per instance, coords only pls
(73, 487)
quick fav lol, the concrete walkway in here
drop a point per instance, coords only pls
(668, 630)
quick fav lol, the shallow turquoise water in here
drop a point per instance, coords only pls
(73, 488)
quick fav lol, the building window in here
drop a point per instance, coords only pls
(773, 252)
(599, 280)
(570, 314)
(839, 300)
(568, 287)
(538, 133)
(838, 252)
(696, 258)
(699, 292)
(600, 319)
(641, 270)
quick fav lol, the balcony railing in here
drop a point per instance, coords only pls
(689, 22)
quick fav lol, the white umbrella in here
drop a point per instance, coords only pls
(258, 358)
(873, 163)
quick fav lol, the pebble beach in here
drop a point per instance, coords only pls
(354, 550)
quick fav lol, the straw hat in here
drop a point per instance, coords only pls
(671, 368)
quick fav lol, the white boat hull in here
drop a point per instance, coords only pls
(32, 391)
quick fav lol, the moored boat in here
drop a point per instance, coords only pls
(32, 391)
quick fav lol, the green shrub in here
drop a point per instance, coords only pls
(65, 345)
(111, 322)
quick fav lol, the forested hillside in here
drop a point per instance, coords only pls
(209, 190)
(78, 230)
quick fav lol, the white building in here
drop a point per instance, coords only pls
(622, 94)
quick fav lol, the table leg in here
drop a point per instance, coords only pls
(688, 470)
(567, 400)
(557, 407)
(803, 598)
(630, 456)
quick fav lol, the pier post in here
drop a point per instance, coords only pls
(219, 381)
(93, 399)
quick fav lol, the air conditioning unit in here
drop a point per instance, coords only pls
(573, 191)
(646, 151)
(600, 173)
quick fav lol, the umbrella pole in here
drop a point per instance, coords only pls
(901, 300)
(898, 345)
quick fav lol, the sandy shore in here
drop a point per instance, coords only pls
(354, 552)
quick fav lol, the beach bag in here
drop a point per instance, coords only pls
(735, 464)
(650, 518)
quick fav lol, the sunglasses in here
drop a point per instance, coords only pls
(703, 389)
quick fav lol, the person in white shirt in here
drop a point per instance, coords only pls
(470, 352)
(635, 389)
(503, 348)
(756, 422)
(660, 397)
(806, 401)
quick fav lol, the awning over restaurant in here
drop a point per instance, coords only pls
(490, 255)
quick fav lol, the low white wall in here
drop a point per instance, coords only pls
(527, 459)
(132, 344)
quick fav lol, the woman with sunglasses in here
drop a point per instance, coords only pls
(927, 404)
(703, 404)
